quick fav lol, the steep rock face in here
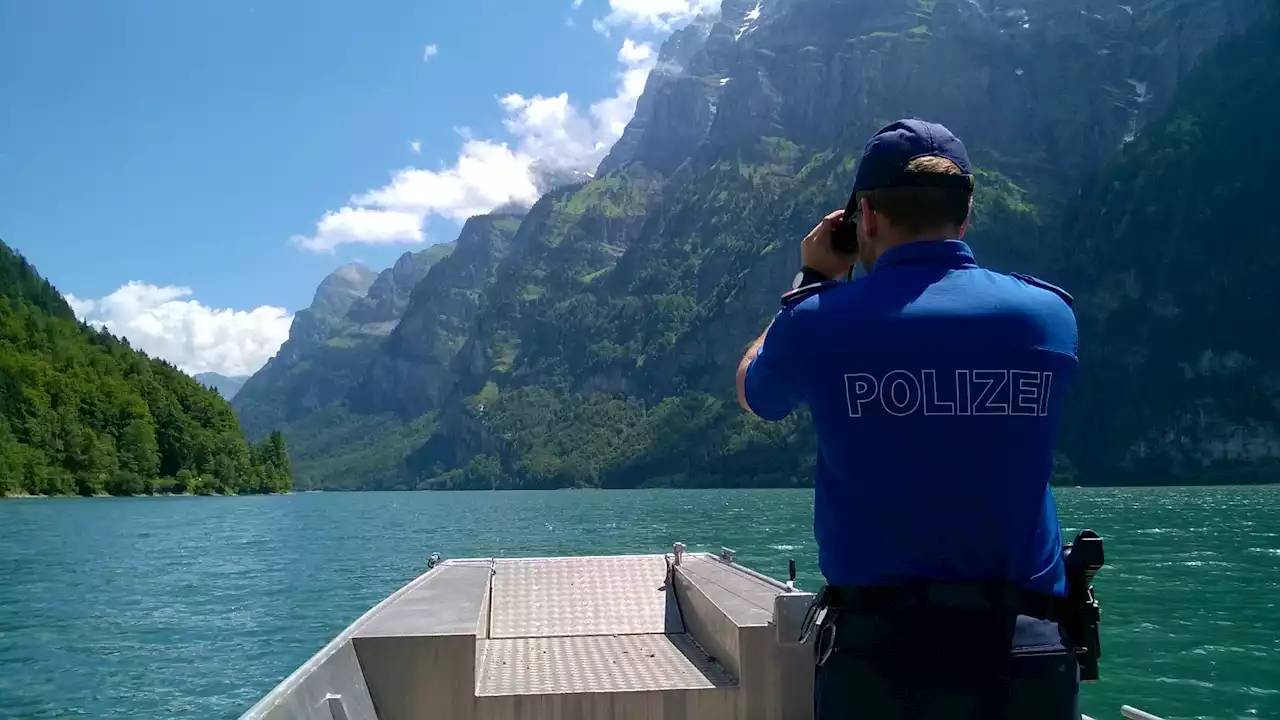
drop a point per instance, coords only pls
(657, 115)
(331, 341)
(1168, 253)
(1043, 93)
(388, 296)
(571, 239)
(341, 289)
(322, 319)
(288, 387)
(411, 373)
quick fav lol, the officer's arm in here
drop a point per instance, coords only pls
(766, 374)
(745, 364)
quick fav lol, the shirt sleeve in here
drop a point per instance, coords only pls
(771, 387)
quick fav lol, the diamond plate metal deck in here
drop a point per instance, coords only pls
(595, 664)
(547, 597)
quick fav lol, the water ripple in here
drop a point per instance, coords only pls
(192, 608)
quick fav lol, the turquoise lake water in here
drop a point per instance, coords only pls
(195, 607)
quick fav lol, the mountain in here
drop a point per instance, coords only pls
(385, 300)
(227, 387)
(341, 289)
(83, 413)
(332, 340)
(314, 387)
(598, 348)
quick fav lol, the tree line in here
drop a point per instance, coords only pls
(83, 413)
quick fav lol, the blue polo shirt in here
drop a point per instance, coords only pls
(936, 388)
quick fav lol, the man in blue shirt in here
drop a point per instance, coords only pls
(935, 388)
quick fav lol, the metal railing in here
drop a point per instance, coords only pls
(1133, 713)
(1129, 712)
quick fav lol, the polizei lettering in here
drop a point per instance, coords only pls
(962, 392)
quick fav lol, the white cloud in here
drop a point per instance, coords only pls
(577, 4)
(415, 146)
(550, 133)
(429, 52)
(192, 336)
(364, 226)
(656, 15)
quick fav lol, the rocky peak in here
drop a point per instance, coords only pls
(675, 104)
(226, 386)
(675, 113)
(341, 288)
(548, 177)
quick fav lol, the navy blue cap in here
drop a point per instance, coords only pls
(886, 155)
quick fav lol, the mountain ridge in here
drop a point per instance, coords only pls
(353, 309)
(599, 350)
(226, 386)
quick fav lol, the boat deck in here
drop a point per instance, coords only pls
(643, 636)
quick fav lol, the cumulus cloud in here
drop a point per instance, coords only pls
(415, 146)
(656, 15)
(550, 134)
(362, 225)
(429, 52)
(164, 322)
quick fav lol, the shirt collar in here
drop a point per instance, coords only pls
(951, 253)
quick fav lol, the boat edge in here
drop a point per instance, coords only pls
(282, 689)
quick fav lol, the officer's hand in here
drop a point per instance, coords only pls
(817, 252)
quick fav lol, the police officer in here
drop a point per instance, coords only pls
(935, 387)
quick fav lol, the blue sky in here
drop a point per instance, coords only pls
(189, 170)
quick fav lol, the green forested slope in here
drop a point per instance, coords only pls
(1172, 253)
(83, 413)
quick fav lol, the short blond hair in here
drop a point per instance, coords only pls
(917, 209)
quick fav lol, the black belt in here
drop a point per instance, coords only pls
(983, 597)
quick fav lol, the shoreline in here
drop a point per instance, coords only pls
(29, 496)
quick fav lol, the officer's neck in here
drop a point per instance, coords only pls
(888, 240)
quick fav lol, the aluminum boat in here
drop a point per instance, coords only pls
(672, 636)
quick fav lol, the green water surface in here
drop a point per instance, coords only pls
(195, 607)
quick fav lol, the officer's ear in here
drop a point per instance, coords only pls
(965, 225)
(867, 218)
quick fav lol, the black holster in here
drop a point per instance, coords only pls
(1083, 558)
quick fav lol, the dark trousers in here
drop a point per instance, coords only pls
(943, 665)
